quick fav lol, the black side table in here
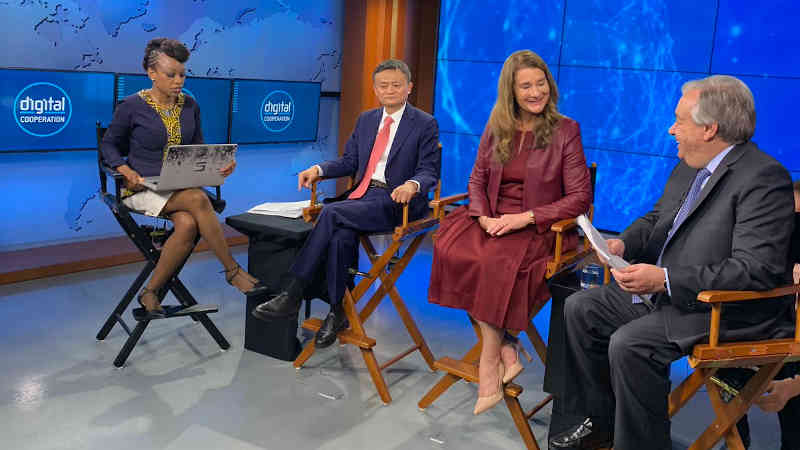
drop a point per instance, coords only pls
(274, 244)
(561, 286)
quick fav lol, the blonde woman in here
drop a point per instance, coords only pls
(489, 257)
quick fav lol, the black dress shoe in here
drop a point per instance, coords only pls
(582, 437)
(279, 306)
(331, 326)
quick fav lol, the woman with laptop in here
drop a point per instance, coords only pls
(145, 124)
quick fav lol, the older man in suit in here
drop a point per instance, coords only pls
(724, 221)
(394, 155)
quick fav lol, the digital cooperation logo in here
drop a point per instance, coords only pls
(277, 111)
(42, 109)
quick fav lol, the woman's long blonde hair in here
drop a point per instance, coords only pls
(505, 117)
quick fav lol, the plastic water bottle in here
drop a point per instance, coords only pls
(591, 276)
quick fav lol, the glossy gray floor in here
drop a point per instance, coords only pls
(59, 390)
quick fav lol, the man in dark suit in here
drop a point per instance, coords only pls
(724, 221)
(394, 155)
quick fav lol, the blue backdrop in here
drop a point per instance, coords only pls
(619, 65)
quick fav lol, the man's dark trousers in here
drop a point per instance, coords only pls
(618, 361)
(334, 238)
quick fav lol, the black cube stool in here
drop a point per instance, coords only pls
(274, 245)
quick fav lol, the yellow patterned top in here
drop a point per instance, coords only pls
(170, 116)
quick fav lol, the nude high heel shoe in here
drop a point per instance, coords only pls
(516, 368)
(488, 402)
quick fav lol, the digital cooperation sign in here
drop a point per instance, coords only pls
(274, 111)
(51, 110)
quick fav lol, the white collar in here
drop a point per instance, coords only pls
(396, 116)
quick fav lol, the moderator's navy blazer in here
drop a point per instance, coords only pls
(414, 154)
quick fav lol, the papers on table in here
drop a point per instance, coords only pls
(601, 247)
(291, 210)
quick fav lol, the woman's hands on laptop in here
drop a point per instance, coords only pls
(227, 170)
(133, 180)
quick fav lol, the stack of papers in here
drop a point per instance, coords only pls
(291, 210)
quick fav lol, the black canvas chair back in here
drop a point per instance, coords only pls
(143, 239)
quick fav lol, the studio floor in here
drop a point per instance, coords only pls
(59, 389)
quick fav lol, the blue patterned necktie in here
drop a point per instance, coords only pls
(683, 213)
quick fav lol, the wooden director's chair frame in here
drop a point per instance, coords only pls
(466, 368)
(143, 240)
(386, 267)
(768, 355)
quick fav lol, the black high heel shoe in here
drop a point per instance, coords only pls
(257, 289)
(147, 314)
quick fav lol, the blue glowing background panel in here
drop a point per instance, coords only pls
(758, 38)
(619, 65)
(479, 31)
(465, 94)
(623, 110)
(458, 156)
(777, 132)
(212, 94)
(274, 111)
(41, 110)
(639, 34)
(627, 185)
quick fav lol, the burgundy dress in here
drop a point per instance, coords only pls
(498, 280)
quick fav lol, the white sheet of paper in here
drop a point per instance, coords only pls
(601, 247)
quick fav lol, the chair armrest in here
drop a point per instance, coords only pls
(717, 298)
(738, 296)
(449, 200)
(564, 225)
(112, 173)
(311, 212)
(439, 205)
(561, 258)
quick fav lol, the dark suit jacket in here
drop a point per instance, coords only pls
(736, 237)
(414, 154)
(557, 184)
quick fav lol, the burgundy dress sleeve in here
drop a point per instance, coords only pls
(479, 178)
(577, 187)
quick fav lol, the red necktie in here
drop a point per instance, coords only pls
(377, 151)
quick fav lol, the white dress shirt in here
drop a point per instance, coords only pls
(380, 168)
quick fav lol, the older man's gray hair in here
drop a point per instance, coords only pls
(727, 101)
(393, 64)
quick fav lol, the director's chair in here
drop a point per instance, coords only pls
(466, 368)
(386, 268)
(768, 356)
(145, 238)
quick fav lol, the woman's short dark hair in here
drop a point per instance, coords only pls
(170, 47)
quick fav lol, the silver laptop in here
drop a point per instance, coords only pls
(187, 166)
